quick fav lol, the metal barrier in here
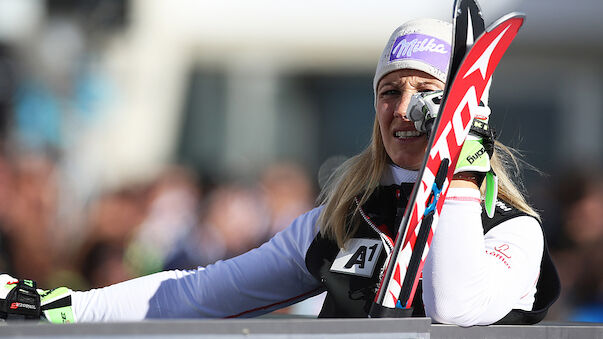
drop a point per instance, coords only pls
(297, 328)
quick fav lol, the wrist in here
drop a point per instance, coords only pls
(465, 180)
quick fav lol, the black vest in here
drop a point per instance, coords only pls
(351, 296)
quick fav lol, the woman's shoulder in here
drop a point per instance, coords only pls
(504, 212)
(306, 223)
(311, 215)
(510, 222)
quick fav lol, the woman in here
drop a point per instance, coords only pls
(479, 270)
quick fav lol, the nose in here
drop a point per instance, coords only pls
(402, 105)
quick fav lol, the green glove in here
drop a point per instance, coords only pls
(475, 157)
(20, 299)
(56, 305)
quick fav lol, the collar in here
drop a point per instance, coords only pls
(394, 175)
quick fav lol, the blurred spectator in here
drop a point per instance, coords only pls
(288, 193)
(579, 252)
(113, 219)
(171, 215)
(6, 178)
(115, 216)
(45, 98)
(233, 221)
(103, 264)
(28, 214)
(7, 88)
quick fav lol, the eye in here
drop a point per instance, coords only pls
(389, 92)
(430, 86)
(429, 89)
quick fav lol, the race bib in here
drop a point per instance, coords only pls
(359, 257)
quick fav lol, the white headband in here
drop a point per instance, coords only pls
(421, 44)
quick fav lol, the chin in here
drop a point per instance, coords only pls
(409, 156)
(406, 164)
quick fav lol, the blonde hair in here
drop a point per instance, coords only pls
(359, 176)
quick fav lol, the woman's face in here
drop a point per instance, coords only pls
(403, 143)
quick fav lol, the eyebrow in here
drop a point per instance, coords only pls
(429, 82)
(418, 84)
(392, 83)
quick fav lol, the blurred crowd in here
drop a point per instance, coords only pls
(60, 223)
(576, 242)
(171, 222)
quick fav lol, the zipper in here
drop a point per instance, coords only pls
(389, 246)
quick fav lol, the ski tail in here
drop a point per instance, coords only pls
(464, 89)
(468, 25)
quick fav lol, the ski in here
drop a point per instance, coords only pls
(471, 67)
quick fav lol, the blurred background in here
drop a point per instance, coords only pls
(142, 135)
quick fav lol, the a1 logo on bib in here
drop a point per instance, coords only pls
(359, 257)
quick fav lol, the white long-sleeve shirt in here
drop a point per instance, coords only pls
(474, 279)
(469, 278)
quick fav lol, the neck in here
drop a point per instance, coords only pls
(394, 174)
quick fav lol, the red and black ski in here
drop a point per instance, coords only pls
(471, 67)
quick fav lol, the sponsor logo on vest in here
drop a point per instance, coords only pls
(502, 249)
(359, 257)
(501, 257)
(502, 206)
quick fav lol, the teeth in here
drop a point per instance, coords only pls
(407, 134)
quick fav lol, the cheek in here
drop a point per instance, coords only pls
(384, 117)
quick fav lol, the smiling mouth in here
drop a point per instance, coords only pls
(407, 134)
